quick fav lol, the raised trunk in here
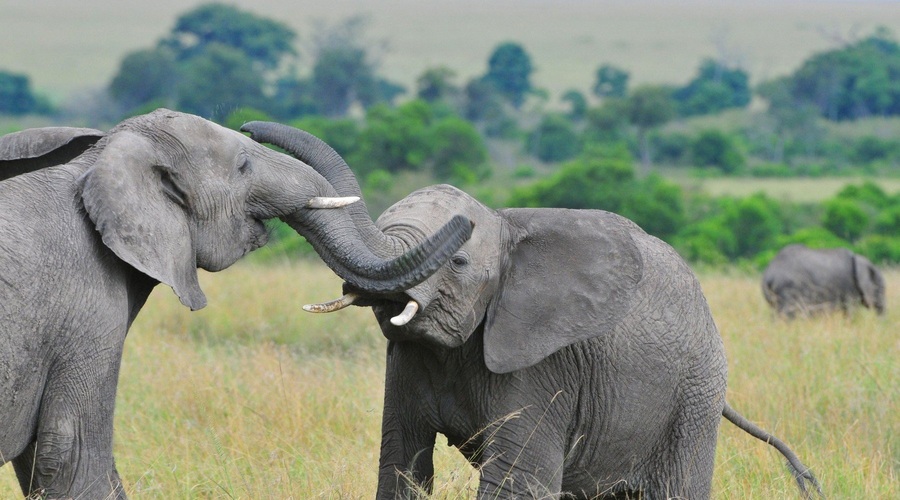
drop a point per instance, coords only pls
(282, 189)
(325, 160)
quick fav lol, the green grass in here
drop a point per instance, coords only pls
(252, 398)
(68, 46)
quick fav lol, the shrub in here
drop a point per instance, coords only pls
(845, 218)
(714, 148)
(554, 139)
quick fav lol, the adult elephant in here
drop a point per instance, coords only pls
(802, 280)
(82, 244)
(561, 351)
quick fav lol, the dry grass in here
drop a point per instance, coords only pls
(252, 398)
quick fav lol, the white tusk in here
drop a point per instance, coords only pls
(331, 201)
(334, 305)
(412, 307)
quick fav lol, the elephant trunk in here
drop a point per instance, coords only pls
(280, 191)
(325, 160)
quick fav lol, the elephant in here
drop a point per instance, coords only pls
(807, 281)
(83, 243)
(563, 352)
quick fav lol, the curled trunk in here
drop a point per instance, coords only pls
(324, 159)
(334, 233)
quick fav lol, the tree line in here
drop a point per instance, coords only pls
(232, 66)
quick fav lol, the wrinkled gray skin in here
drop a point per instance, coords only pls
(805, 281)
(82, 244)
(558, 350)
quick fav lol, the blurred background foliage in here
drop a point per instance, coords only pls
(633, 151)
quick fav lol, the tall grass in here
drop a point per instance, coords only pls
(252, 398)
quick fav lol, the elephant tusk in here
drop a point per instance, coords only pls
(331, 201)
(334, 305)
(412, 307)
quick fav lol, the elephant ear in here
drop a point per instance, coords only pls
(37, 148)
(869, 281)
(130, 197)
(569, 278)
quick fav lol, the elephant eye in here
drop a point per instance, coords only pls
(244, 168)
(459, 260)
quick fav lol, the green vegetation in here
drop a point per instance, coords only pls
(497, 135)
(17, 98)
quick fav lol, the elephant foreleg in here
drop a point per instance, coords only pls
(72, 453)
(406, 467)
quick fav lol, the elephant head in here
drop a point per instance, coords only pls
(870, 283)
(170, 192)
(516, 276)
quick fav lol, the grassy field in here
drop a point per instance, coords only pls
(797, 190)
(68, 46)
(252, 398)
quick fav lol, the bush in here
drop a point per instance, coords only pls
(707, 241)
(554, 139)
(714, 148)
(880, 248)
(845, 218)
(756, 223)
(458, 153)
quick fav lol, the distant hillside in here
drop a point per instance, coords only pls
(66, 46)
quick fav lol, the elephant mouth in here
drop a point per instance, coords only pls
(394, 312)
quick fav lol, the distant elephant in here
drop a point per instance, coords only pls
(802, 280)
(83, 243)
(561, 351)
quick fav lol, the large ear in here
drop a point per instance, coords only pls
(569, 278)
(869, 282)
(131, 198)
(37, 148)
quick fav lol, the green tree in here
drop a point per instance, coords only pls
(845, 218)
(263, 41)
(395, 139)
(611, 81)
(458, 152)
(338, 74)
(484, 105)
(509, 71)
(436, 84)
(146, 76)
(648, 107)
(214, 60)
(607, 122)
(600, 178)
(857, 80)
(344, 71)
(715, 148)
(715, 88)
(17, 98)
(554, 139)
(755, 222)
(218, 81)
(577, 104)
(342, 134)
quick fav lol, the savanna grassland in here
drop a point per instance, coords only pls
(253, 398)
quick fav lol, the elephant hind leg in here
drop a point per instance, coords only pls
(685, 470)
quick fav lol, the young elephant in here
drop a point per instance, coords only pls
(802, 280)
(561, 351)
(83, 243)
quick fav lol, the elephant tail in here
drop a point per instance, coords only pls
(800, 472)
